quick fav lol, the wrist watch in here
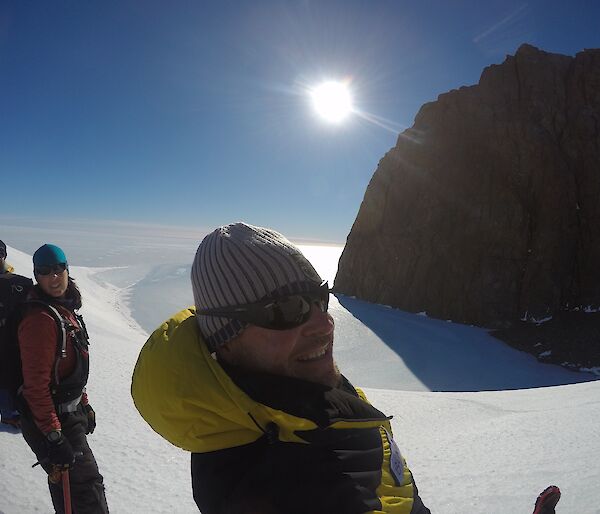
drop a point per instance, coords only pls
(54, 436)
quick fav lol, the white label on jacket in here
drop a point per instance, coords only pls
(396, 461)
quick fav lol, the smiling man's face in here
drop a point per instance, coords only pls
(303, 352)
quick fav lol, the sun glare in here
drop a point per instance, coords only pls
(332, 101)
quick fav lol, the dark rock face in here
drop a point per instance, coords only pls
(487, 210)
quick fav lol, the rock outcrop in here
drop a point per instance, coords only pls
(487, 210)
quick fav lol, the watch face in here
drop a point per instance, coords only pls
(53, 436)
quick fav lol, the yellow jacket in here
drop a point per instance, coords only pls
(187, 397)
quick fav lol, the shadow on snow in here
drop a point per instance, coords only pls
(447, 356)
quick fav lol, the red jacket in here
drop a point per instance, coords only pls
(38, 343)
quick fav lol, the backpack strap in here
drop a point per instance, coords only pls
(83, 328)
(62, 325)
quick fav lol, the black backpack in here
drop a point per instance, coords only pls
(13, 303)
(11, 372)
(13, 292)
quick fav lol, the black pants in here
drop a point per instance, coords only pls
(87, 488)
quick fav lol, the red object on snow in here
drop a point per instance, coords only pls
(547, 500)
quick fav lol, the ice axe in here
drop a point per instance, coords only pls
(66, 487)
(64, 477)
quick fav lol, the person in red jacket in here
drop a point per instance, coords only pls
(56, 414)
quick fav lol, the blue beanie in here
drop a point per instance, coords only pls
(47, 255)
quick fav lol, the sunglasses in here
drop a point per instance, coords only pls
(281, 313)
(54, 269)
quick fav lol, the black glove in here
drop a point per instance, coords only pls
(60, 452)
(91, 416)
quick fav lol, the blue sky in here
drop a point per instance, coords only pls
(195, 113)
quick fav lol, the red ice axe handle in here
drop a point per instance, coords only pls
(66, 486)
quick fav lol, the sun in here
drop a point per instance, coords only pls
(332, 101)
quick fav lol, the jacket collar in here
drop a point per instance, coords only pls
(319, 403)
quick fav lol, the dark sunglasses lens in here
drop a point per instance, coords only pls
(279, 314)
(47, 270)
(290, 311)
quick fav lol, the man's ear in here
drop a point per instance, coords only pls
(227, 352)
(223, 352)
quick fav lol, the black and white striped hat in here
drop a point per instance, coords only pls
(239, 264)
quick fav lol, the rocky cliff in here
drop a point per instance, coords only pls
(487, 210)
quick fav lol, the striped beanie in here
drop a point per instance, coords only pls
(240, 264)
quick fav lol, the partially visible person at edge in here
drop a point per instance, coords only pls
(56, 414)
(13, 289)
(248, 384)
